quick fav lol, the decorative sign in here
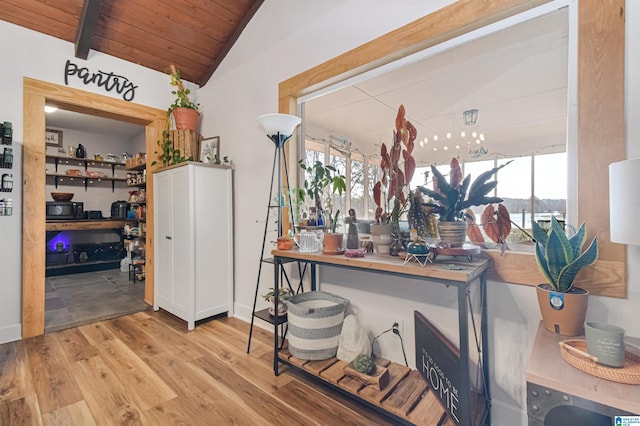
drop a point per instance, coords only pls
(108, 80)
(53, 138)
(439, 362)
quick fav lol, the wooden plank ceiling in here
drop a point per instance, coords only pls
(195, 35)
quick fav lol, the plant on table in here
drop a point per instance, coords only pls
(324, 182)
(363, 363)
(563, 306)
(457, 195)
(496, 222)
(397, 166)
(561, 258)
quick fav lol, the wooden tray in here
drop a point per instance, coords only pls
(574, 352)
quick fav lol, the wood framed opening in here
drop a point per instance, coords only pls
(35, 95)
(600, 109)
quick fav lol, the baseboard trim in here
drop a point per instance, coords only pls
(10, 333)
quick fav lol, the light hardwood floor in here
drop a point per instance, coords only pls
(145, 368)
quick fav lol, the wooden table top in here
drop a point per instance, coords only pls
(393, 264)
(84, 225)
(547, 368)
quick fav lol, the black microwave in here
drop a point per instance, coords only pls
(65, 210)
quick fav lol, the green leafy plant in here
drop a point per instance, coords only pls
(283, 294)
(363, 363)
(421, 217)
(217, 160)
(561, 258)
(456, 196)
(325, 181)
(182, 93)
(168, 154)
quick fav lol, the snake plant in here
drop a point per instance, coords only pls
(561, 258)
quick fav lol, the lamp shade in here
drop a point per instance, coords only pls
(279, 123)
(624, 201)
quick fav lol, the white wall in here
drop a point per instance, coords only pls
(29, 54)
(288, 37)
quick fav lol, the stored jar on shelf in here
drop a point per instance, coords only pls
(7, 182)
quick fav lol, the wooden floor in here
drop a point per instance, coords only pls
(145, 368)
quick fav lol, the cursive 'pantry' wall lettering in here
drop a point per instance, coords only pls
(108, 80)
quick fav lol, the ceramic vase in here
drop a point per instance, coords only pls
(381, 235)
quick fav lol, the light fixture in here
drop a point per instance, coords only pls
(49, 109)
(624, 201)
(470, 117)
(279, 127)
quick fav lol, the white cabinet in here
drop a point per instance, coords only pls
(193, 241)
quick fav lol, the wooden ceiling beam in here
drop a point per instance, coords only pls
(87, 27)
(230, 42)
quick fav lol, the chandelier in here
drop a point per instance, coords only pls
(470, 117)
(451, 139)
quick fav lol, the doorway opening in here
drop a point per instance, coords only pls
(88, 253)
(36, 94)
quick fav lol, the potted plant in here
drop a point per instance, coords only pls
(185, 115)
(563, 305)
(397, 166)
(455, 197)
(325, 181)
(284, 293)
(185, 112)
(366, 371)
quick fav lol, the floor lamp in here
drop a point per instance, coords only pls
(279, 129)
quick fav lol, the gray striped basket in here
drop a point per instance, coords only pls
(315, 322)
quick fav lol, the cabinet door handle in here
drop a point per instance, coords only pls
(167, 237)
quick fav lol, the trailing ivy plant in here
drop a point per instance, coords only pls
(168, 154)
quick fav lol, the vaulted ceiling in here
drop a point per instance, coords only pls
(195, 35)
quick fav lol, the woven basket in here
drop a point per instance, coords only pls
(315, 322)
(574, 351)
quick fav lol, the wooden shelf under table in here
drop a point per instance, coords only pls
(406, 396)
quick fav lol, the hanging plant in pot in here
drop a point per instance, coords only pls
(563, 306)
(455, 197)
(185, 113)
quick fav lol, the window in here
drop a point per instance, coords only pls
(356, 183)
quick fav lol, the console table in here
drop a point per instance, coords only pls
(474, 272)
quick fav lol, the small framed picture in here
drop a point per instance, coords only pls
(53, 137)
(210, 150)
